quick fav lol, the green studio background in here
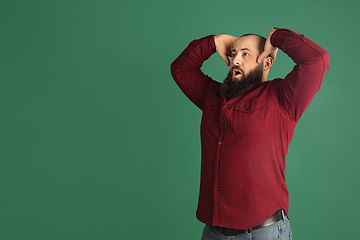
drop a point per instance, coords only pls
(97, 141)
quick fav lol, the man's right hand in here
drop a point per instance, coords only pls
(223, 45)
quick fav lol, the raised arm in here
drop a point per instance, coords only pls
(186, 68)
(299, 87)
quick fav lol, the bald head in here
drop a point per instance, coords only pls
(260, 40)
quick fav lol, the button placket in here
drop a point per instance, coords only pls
(217, 165)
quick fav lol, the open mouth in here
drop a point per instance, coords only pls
(236, 73)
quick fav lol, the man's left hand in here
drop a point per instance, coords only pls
(268, 48)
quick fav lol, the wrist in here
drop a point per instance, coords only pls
(216, 39)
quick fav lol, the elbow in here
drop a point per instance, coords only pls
(173, 68)
(176, 70)
(325, 59)
(320, 60)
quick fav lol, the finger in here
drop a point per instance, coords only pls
(262, 57)
(275, 53)
(226, 60)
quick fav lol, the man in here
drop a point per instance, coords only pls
(247, 125)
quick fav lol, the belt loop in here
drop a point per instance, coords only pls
(283, 214)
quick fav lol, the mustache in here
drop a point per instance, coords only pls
(237, 68)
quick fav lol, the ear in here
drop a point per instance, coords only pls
(268, 62)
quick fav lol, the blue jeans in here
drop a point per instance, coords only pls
(279, 230)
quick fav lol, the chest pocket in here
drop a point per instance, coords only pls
(211, 115)
(249, 117)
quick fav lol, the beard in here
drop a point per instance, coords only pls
(232, 88)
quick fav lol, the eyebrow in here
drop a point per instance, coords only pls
(243, 49)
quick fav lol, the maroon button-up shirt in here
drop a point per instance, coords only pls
(244, 141)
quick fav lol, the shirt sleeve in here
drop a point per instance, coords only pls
(299, 87)
(186, 70)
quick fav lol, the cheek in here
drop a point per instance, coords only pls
(251, 66)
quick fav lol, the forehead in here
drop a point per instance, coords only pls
(250, 42)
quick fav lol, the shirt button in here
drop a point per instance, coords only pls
(217, 165)
(222, 122)
(217, 189)
(229, 105)
(220, 143)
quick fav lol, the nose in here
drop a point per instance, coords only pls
(237, 60)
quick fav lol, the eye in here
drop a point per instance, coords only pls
(245, 54)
